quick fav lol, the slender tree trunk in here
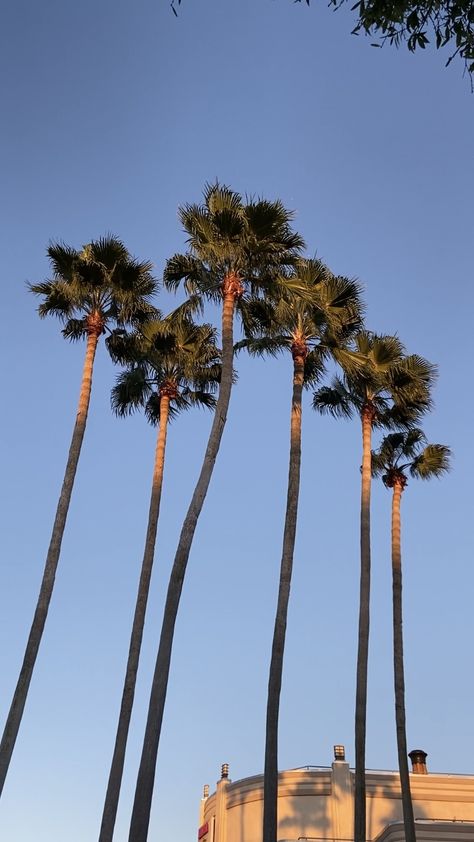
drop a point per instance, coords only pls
(270, 785)
(15, 714)
(398, 669)
(146, 774)
(364, 622)
(116, 770)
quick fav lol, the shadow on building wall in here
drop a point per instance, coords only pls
(316, 804)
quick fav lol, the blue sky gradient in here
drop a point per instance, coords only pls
(114, 114)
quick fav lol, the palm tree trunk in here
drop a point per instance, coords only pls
(364, 623)
(15, 714)
(398, 669)
(116, 770)
(270, 781)
(146, 773)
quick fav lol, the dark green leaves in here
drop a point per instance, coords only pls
(172, 352)
(252, 240)
(433, 461)
(101, 279)
(378, 374)
(449, 22)
(306, 307)
(402, 451)
(335, 400)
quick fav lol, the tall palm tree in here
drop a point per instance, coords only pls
(383, 386)
(398, 453)
(91, 289)
(308, 328)
(236, 248)
(173, 365)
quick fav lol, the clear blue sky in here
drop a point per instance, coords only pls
(113, 114)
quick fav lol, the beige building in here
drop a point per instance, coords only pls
(315, 804)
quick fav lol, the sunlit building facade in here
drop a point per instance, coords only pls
(315, 804)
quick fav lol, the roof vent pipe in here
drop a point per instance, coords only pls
(224, 770)
(418, 759)
(339, 753)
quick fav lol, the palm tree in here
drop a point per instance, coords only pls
(308, 328)
(91, 289)
(382, 386)
(173, 365)
(398, 453)
(235, 249)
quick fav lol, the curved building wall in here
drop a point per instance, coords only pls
(317, 805)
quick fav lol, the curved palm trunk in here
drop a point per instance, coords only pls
(15, 714)
(398, 670)
(270, 784)
(118, 759)
(364, 623)
(146, 773)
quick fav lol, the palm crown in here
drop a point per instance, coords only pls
(409, 451)
(379, 379)
(177, 358)
(311, 324)
(99, 284)
(232, 242)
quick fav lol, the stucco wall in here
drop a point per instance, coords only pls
(318, 803)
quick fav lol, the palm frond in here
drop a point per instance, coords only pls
(312, 271)
(219, 197)
(199, 398)
(353, 363)
(135, 276)
(75, 329)
(136, 313)
(194, 305)
(384, 350)
(314, 367)
(228, 224)
(271, 221)
(153, 407)
(340, 300)
(378, 464)
(63, 259)
(291, 289)
(108, 251)
(389, 449)
(208, 377)
(124, 348)
(392, 416)
(257, 316)
(131, 391)
(159, 336)
(412, 440)
(433, 461)
(89, 274)
(185, 267)
(59, 299)
(272, 345)
(412, 379)
(334, 400)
